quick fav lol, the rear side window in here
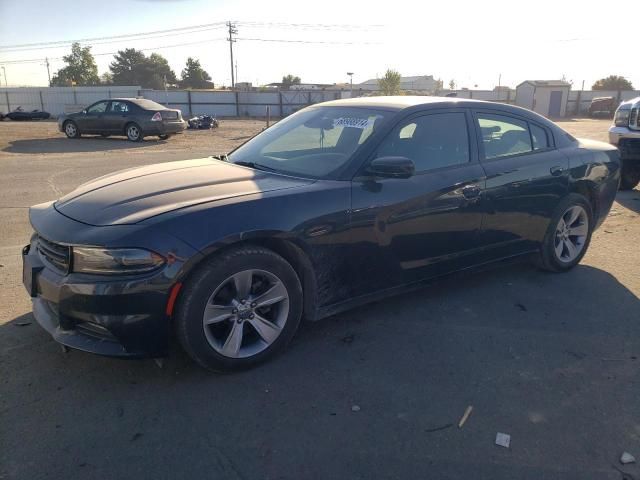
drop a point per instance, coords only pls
(539, 137)
(431, 141)
(119, 107)
(502, 135)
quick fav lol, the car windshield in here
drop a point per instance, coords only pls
(314, 143)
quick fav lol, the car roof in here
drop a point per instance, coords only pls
(405, 102)
(402, 102)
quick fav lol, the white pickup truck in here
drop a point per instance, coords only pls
(625, 134)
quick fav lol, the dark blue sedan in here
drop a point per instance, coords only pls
(339, 204)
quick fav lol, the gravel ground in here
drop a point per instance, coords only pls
(551, 360)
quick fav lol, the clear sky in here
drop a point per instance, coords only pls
(471, 41)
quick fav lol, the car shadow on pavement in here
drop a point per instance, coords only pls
(549, 359)
(629, 199)
(82, 144)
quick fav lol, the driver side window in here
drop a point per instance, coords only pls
(430, 141)
(97, 108)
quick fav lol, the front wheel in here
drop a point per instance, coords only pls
(568, 235)
(630, 175)
(239, 309)
(134, 132)
(71, 129)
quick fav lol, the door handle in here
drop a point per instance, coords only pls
(556, 171)
(471, 192)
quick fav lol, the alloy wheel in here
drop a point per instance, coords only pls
(246, 313)
(70, 129)
(132, 132)
(571, 234)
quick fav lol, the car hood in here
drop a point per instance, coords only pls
(131, 196)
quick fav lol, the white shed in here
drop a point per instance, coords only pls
(546, 97)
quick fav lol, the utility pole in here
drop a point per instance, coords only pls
(351, 81)
(232, 31)
(5, 76)
(236, 70)
(46, 62)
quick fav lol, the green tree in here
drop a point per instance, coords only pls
(81, 68)
(133, 67)
(452, 84)
(289, 80)
(612, 82)
(194, 76)
(389, 84)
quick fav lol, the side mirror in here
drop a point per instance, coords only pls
(84, 112)
(392, 167)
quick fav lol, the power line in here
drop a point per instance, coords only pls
(282, 40)
(111, 37)
(38, 60)
(184, 30)
(92, 44)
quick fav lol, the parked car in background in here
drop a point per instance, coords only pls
(625, 134)
(339, 204)
(602, 107)
(133, 117)
(20, 115)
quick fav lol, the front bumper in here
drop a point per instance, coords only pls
(616, 134)
(121, 317)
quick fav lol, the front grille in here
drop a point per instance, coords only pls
(56, 255)
(96, 331)
(634, 118)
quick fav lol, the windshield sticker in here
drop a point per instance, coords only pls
(351, 122)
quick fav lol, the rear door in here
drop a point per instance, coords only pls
(526, 178)
(406, 230)
(116, 116)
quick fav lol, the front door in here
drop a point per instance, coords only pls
(91, 120)
(555, 104)
(404, 230)
(116, 116)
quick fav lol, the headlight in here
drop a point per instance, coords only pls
(622, 118)
(114, 260)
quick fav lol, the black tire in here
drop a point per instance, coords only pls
(133, 132)
(71, 130)
(165, 136)
(547, 259)
(212, 274)
(629, 175)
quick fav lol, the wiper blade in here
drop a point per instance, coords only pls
(256, 166)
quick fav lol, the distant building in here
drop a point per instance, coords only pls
(244, 86)
(303, 86)
(546, 97)
(419, 83)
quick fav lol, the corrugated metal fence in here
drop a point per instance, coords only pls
(58, 100)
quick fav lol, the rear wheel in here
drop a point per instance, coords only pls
(630, 175)
(239, 309)
(71, 129)
(568, 235)
(134, 132)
